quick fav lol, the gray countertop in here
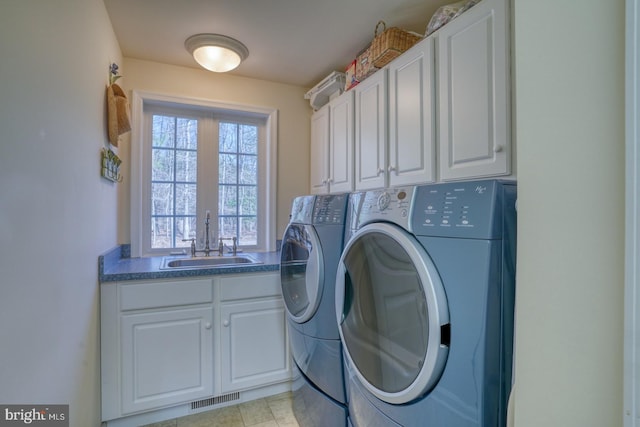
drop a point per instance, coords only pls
(116, 265)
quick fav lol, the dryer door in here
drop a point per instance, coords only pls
(301, 275)
(393, 314)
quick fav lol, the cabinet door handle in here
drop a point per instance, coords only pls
(392, 168)
(380, 171)
(497, 148)
(207, 325)
(225, 323)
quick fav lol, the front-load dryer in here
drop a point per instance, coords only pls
(311, 248)
(425, 300)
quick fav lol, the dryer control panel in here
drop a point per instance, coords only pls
(390, 205)
(301, 209)
(330, 209)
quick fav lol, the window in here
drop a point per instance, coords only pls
(196, 160)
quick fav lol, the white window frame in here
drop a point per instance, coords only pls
(631, 404)
(140, 189)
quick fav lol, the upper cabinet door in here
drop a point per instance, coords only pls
(319, 161)
(341, 144)
(411, 117)
(371, 131)
(473, 93)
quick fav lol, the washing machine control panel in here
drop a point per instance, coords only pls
(391, 205)
(330, 209)
(471, 209)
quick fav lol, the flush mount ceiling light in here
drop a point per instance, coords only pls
(216, 52)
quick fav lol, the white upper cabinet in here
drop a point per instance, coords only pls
(394, 122)
(411, 117)
(341, 144)
(319, 165)
(371, 131)
(332, 146)
(439, 112)
(474, 93)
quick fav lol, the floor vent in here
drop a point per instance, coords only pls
(215, 400)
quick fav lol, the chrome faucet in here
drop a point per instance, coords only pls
(207, 249)
(207, 245)
(234, 248)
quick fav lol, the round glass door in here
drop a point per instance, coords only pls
(300, 276)
(392, 312)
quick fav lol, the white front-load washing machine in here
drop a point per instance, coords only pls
(424, 301)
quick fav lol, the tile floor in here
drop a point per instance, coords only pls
(272, 411)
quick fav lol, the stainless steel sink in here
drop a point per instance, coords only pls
(173, 263)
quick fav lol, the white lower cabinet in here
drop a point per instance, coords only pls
(172, 342)
(250, 354)
(254, 347)
(166, 357)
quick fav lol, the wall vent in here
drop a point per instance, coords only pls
(215, 400)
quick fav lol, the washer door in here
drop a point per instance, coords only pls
(301, 277)
(392, 312)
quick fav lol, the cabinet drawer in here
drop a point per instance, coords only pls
(249, 286)
(164, 294)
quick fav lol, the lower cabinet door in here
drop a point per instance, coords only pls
(254, 346)
(167, 357)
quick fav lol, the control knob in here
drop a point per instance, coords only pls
(383, 201)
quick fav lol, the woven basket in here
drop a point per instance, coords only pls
(389, 44)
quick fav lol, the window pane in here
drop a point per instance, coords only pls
(186, 166)
(185, 199)
(174, 175)
(228, 226)
(161, 199)
(161, 232)
(247, 201)
(228, 169)
(162, 165)
(164, 131)
(187, 133)
(227, 200)
(248, 166)
(228, 137)
(185, 229)
(248, 231)
(248, 139)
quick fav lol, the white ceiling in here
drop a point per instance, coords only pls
(291, 41)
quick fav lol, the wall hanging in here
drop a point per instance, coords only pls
(110, 165)
(117, 108)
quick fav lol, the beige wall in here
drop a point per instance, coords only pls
(57, 215)
(569, 59)
(293, 116)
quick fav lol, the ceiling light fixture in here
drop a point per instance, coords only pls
(216, 52)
